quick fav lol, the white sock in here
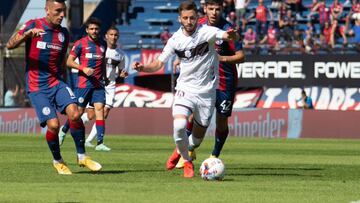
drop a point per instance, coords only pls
(92, 134)
(85, 118)
(81, 156)
(180, 137)
(194, 142)
(58, 161)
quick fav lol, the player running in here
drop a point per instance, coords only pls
(196, 86)
(46, 43)
(90, 51)
(230, 53)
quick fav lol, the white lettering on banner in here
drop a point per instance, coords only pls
(349, 101)
(337, 69)
(165, 101)
(121, 92)
(270, 96)
(244, 100)
(24, 124)
(139, 98)
(275, 69)
(262, 127)
(337, 99)
(294, 98)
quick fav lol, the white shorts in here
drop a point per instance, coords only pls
(201, 105)
(109, 96)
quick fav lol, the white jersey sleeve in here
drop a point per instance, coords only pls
(211, 33)
(168, 51)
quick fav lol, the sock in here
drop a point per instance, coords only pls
(180, 138)
(194, 142)
(53, 142)
(81, 156)
(77, 130)
(100, 128)
(220, 138)
(189, 127)
(66, 126)
(92, 134)
(85, 118)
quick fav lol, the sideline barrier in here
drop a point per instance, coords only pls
(266, 123)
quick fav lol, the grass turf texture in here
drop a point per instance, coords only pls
(257, 170)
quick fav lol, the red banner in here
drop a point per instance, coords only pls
(19, 121)
(149, 55)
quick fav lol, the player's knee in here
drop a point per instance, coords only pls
(179, 128)
(53, 126)
(75, 115)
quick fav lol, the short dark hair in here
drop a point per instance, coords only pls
(93, 20)
(211, 2)
(113, 27)
(187, 5)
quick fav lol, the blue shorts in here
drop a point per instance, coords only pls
(90, 95)
(46, 102)
(224, 102)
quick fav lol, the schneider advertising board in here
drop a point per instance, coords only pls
(300, 70)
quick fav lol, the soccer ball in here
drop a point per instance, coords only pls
(212, 169)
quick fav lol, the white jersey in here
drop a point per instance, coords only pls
(199, 62)
(115, 62)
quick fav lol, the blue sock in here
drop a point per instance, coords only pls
(77, 130)
(100, 128)
(66, 126)
(220, 138)
(53, 142)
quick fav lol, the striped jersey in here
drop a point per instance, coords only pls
(198, 58)
(91, 54)
(45, 55)
(227, 71)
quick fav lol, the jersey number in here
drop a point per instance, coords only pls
(225, 105)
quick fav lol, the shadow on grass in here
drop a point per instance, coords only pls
(104, 172)
(278, 171)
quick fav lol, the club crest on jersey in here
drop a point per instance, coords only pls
(61, 37)
(46, 111)
(81, 100)
(219, 42)
(187, 54)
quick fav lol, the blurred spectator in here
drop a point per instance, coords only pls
(306, 101)
(10, 96)
(231, 18)
(355, 33)
(322, 13)
(240, 8)
(249, 38)
(261, 13)
(310, 42)
(296, 6)
(354, 11)
(336, 10)
(326, 36)
(271, 39)
(228, 7)
(165, 35)
(287, 26)
(298, 44)
(201, 11)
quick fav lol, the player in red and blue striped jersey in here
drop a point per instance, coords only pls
(230, 53)
(90, 50)
(46, 43)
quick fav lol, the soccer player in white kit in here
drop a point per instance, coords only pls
(196, 86)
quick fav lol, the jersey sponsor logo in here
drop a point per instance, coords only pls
(61, 37)
(41, 45)
(46, 111)
(199, 50)
(93, 56)
(54, 46)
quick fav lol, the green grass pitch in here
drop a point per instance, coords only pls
(257, 170)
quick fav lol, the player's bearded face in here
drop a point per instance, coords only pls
(188, 19)
(213, 13)
(93, 31)
(55, 12)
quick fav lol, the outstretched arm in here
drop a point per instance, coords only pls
(18, 39)
(149, 68)
(231, 35)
